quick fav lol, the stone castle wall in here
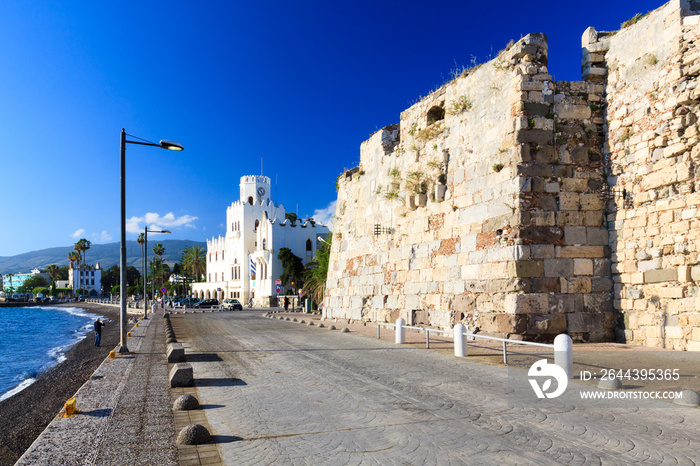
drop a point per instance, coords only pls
(650, 73)
(520, 230)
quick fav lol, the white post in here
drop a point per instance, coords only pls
(400, 322)
(153, 308)
(564, 354)
(460, 341)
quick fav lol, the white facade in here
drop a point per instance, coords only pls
(255, 231)
(85, 276)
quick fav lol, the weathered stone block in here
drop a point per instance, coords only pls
(551, 324)
(540, 234)
(660, 275)
(575, 235)
(176, 353)
(525, 269)
(503, 323)
(558, 267)
(584, 323)
(181, 375)
(535, 136)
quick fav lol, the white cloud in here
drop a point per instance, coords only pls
(78, 233)
(158, 222)
(104, 237)
(326, 215)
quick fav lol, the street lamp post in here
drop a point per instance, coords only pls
(146, 231)
(122, 250)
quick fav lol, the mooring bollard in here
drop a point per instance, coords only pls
(400, 322)
(564, 354)
(460, 341)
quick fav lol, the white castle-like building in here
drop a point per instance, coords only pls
(86, 277)
(244, 264)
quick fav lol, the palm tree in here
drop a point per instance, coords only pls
(158, 250)
(194, 261)
(317, 271)
(142, 241)
(74, 257)
(8, 277)
(53, 271)
(81, 246)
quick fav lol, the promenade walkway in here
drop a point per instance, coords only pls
(278, 392)
(125, 415)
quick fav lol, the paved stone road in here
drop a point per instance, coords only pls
(286, 393)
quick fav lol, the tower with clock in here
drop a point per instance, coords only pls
(255, 190)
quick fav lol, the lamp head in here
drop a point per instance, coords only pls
(171, 145)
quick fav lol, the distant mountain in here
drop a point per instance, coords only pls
(106, 254)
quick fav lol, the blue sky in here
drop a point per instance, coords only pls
(298, 84)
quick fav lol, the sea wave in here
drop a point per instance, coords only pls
(25, 383)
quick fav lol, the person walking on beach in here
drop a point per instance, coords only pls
(98, 331)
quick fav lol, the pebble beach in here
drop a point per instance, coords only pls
(26, 414)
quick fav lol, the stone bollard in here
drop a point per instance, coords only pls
(564, 354)
(400, 322)
(193, 434)
(181, 375)
(176, 353)
(460, 341)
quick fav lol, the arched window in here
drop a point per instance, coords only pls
(308, 245)
(250, 200)
(264, 244)
(435, 114)
(216, 255)
(257, 223)
(222, 255)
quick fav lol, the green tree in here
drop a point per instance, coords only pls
(291, 216)
(8, 279)
(133, 276)
(74, 257)
(292, 268)
(53, 271)
(63, 272)
(31, 283)
(110, 277)
(316, 272)
(158, 250)
(194, 261)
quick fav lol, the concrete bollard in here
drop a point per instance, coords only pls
(460, 341)
(181, 375)
(153, 308)
(400, 322)
(176, 353)
(564, 354)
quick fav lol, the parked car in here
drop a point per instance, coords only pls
(206, 303)
(232, 304)
(189, 302)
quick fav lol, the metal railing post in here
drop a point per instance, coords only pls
(400, 322)
(460, 341)
(379, 330)
(564, 354)
(427, 339)
(505, 353)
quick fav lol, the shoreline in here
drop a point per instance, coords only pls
(24, 415)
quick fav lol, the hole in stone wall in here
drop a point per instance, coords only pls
(435, 114)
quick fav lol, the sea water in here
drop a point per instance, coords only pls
(34, 339)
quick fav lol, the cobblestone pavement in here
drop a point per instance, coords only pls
(287, 393)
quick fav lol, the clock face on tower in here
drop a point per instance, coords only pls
(261, 193)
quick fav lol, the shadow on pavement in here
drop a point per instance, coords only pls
(209, 382)
(211, 406)
(203, 357)
(96, 412)
(225, 439)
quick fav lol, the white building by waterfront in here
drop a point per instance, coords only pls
(243, 264)
(87, 277)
